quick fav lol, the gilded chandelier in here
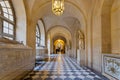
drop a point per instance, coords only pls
(58, 7)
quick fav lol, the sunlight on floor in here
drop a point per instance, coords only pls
(61, 67)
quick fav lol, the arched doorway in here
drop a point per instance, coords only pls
(59, 46)
(56, 33)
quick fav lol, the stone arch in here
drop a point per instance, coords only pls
(59, 31)
(20, 20)
(100, 33)
(44, 7)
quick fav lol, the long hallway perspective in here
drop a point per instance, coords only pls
(61, 67)
(59, 39)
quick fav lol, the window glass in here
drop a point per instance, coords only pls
(5, 30)
(7, 4)
(5, 10)
(11, 26)
(5, 24)
(7, 19)
(2, 4)
(11, 18)
(11, 32)
(37, 36)
(10, 11)
(6, 15)
(42, 33)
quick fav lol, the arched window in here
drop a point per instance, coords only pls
(42, 31)
(37, 36)
(40, 34)
(7, 23)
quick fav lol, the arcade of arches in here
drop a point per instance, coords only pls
(85, 36)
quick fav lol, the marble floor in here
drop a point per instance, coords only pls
(61, 67)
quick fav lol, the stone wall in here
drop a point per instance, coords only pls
(115, 27)
(15, 61)
(41, 52)
(106, 26)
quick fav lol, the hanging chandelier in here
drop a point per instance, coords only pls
(58, 7)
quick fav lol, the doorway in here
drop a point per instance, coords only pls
(59, 46)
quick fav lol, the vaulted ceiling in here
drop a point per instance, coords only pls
(75, 11)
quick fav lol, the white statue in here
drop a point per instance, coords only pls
(81, 40)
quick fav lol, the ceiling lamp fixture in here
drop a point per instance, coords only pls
(58, 7)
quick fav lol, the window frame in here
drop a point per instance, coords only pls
(3, 18)
(38, 38)
(41, 33)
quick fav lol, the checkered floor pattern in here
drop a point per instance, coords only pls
(61, 67)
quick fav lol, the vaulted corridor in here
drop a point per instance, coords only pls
(59, 39)
(61, 67)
